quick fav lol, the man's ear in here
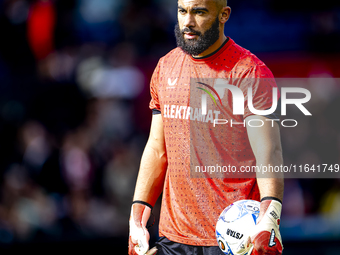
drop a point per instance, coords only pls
(225, 14)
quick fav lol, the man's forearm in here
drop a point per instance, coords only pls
(271, 184)
(266, 145)
(271, 187)
(151, 175)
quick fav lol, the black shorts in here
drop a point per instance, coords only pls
(167, 247)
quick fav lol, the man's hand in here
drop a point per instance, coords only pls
(139, 235)
(266, 237)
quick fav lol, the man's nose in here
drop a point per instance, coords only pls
(189, 21)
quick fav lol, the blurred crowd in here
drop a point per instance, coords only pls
(74, 114)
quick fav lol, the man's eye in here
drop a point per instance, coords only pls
(199, 12)
(181, 11)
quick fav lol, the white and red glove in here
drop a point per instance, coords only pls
(266, 237)
(139, 235)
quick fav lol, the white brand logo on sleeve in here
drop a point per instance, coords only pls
(271, 240)
(172, 83)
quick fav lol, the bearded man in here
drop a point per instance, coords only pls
(191, 205)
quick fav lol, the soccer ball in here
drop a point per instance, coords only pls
(234, 226)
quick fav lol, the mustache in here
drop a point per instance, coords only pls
(190, 30)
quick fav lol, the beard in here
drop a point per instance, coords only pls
(197, 46)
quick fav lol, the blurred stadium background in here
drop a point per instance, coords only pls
(74, 115)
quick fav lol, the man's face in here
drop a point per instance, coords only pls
(198, 25)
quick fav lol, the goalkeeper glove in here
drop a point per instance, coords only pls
(139, 235)
(266, 237)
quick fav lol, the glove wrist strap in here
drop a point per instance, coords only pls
(271, 198)
(142, 202)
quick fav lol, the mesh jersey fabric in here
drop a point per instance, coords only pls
(191, 206)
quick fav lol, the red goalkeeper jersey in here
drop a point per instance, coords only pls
(191, 205)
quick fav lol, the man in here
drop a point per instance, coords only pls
(191, 206)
